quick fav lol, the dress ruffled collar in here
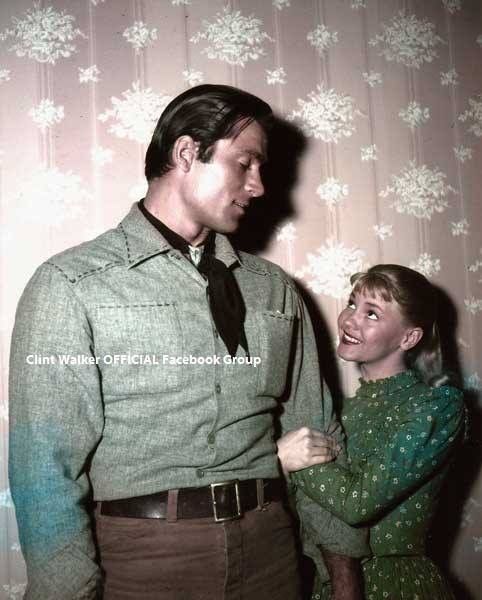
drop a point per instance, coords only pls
(387, 385)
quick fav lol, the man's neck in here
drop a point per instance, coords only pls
(162, 200)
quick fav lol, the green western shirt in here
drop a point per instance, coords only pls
(86, 417)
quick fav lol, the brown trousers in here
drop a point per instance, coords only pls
(252, 558)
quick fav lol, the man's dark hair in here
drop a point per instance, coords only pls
(207, 113)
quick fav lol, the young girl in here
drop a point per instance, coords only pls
(402, 426)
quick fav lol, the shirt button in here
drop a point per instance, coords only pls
(218, 388)
(200, 473)
(211, 438)
(216, 334)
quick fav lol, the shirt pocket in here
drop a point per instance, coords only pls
(131, 342)
(272, 335)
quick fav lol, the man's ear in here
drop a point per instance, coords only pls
(411, 338)
(184, 152)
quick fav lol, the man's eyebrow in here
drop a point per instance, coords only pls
(262, 158)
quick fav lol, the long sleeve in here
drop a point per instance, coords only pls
(422, 444)
(310, 404)
(56, 421)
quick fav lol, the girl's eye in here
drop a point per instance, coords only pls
(244, 166)
(350, 304)
(372, 315)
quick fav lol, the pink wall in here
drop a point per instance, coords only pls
(391, 172)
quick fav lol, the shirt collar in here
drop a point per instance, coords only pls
(387, 385)
(143, 240)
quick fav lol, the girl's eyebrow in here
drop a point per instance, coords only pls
(375, 305)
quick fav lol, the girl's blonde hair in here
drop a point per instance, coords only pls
(417, 299)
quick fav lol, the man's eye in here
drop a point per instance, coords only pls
(372, 315)
(350, 304)
(244, 166)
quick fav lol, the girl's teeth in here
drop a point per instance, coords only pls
(352, 340)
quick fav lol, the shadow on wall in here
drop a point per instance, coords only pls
(286, 145)
(467, 463)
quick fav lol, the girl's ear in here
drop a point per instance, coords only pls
(411, 338)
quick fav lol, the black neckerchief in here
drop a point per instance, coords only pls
(225, 300)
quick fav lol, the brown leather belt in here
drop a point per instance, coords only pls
(222, 501)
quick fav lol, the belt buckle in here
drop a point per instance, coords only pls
(239, 512)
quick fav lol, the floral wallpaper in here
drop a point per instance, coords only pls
(387, 93)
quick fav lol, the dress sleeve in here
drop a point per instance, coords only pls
(310, 404)
(423, 443)
(56, 421)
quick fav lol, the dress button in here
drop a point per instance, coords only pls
(211, 438)
(216, 334)
(200, 473)
(218, 388)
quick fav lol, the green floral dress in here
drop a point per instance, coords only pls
(401, 436)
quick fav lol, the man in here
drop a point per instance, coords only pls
(147, 368)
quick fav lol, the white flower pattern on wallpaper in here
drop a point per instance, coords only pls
(383, 231)
(276, 76)
(322, 38)
(332, 191)
(415, 115)
(51, 197)
(14, 591)
(462, 153)
(419, 191)
(233, 38)
(452, 5)
(136, 114)
(473, 305)
(477, 544)
(369, 152)
(408, 40)
(280, 4)
(356, 4)
(450, 77)
(46, 114)
(96, 2)
(193, 77)
(472, 382)
(89, 74)
(426, 264)
(467, 513)
(328, 271)
(180, 2)
(373, 78)
(326, 115)
(287, 233)
(474, 267)
(459, 227)
(474, 114)
(101, 156)
(140, 36)
(43, 34)
(4, 75)
(479, 40)
(6, 499)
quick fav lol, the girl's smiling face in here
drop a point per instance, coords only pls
(374, 333)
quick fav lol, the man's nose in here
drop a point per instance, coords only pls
(254, 184)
